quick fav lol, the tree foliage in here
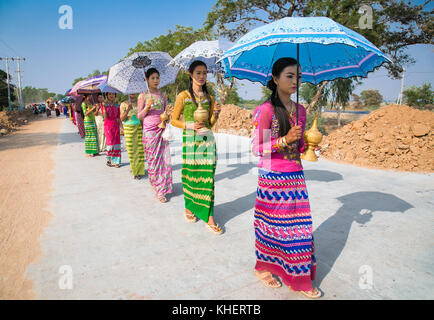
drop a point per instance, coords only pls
(31, 94)
(4, 90)
(371, 98)
(90, 75)
(420, 97)
(395, 24)
(308, 92)
(173, 43)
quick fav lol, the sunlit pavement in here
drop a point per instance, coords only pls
(111, 239)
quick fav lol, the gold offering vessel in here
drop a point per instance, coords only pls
(163, 117)
(201, 115)
(312, 137)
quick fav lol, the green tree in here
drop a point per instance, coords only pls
(4, 90)
(31, 94)
(371, 98)
(419, 97)
(395, 24)
(233, 97)
(173, 43)
(58, 97)
(340, 91)
(266, 93)
(90, 75)
(308, 92)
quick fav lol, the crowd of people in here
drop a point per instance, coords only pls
(283, 223)
(48, 107)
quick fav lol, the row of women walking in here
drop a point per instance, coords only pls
(284, 244)
(102, 123)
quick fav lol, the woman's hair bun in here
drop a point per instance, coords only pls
(271, 85)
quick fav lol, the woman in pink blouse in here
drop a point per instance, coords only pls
(150, 106)
(112, 124)
(283, 223)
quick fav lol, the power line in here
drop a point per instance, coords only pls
(8, 46)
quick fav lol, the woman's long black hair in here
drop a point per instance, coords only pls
(279, 109)
(193, 66)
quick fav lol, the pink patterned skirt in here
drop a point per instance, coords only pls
(157, 156)
(283, 228)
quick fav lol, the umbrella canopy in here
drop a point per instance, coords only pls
(327, 51)
(67, 99)
(104, 87)
(128, 76)
(89, 85)
(206, 51)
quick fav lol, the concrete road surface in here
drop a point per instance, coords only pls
(111, 239)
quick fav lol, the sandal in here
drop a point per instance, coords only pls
(189, 216)
(137, 177)
(314, 294)
(267, 279)
(116, 165)
(161, 198)
(215, 228)
(108, 164)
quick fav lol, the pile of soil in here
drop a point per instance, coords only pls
(11, 120)
(234, 120)
(393, 137)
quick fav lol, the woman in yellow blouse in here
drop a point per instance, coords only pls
(198, 147)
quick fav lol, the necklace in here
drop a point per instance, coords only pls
(198, 95)
(291, 109)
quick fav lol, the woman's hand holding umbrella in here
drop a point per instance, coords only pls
(293, 135)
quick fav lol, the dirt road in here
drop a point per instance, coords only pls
(25, 171)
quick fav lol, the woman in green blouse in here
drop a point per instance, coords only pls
(133, 136)
(90, 138)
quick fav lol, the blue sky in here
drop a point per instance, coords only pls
(103, 32)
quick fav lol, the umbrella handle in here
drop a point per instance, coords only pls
(298, 79)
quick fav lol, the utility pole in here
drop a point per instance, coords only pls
(399, 101)
(7, 80)
(20, 93)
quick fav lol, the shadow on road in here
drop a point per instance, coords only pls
(228, 210)
(237, 170)
(322, 175)
(331, 236)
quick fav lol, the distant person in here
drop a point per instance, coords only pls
(79, 118)
(47, 109)
(99, 121)
(56, 109)
(112, 124)
(65, 110)
(90, 139)
(72, 110)
(283, 222)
